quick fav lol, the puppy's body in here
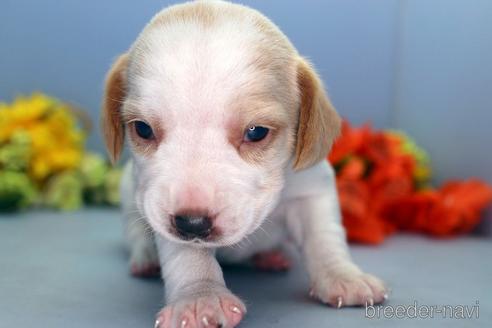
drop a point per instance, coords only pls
(229, 130)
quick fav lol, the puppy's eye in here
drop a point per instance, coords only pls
(255, 133)
(143, 130)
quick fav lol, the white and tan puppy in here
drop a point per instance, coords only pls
(229, 128)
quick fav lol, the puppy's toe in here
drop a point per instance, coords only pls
(163, 318)
(215, 310)
(350, 289)
(233, 309)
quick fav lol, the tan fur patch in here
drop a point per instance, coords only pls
(114, 95)
(319, 123)
(196, 12)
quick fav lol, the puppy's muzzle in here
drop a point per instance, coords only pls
(193, 226)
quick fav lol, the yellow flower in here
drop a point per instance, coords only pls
(56, 140)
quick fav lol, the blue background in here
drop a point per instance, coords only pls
(423, 66)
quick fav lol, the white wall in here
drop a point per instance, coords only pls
(444, 83)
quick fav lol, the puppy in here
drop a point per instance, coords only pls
(229, 128)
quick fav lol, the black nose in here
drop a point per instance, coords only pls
(190, 227)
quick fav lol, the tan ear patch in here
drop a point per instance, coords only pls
(114, 94)
(319, 124)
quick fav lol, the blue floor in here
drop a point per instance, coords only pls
(70, 270)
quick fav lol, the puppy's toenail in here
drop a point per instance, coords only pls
(371, 302)
(311, 293)
(385, 296)
(184, 322)
(205, 321)
(157, 323)
(339, 302)
(235, 309)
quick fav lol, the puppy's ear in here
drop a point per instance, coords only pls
(114, 94)
(319, 123)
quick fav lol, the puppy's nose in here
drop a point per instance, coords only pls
(193, 226)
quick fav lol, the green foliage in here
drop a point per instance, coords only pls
(16, 191)
(15, 155)
(64, 191)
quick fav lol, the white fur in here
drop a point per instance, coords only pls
(187, 77)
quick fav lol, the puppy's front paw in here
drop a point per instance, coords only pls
(144, 261)
(214, 310)
(346, 289)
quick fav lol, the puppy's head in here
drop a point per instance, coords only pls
(215, 103)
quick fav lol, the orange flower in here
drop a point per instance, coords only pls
(354, 201)
(459, 208)
(350, 142)
(354, 168)
(381, 147)
(377, 186)
(412, 211)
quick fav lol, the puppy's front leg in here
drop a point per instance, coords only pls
(196, 295)
(315, 225)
